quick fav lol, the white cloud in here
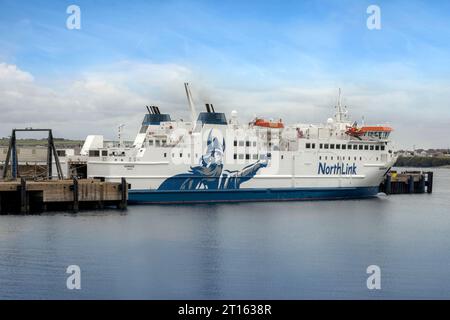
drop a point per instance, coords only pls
(98, 100)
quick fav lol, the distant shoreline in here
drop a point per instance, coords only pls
(423, 162)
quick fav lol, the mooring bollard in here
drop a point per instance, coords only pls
(75, 195)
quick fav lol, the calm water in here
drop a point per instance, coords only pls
(240, 251)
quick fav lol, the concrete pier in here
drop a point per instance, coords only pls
(407, 182)
(28, 196)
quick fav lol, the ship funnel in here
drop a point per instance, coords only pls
(208, 109)
(212, 108)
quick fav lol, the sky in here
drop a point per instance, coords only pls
(275, 59)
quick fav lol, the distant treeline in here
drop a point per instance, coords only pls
(422, 161)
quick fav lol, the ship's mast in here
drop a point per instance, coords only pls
(341, 112)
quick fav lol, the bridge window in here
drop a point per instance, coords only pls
(235, 143)
(361, 147)
(377, 147)
(247, 143)
(382, 148)
(371, 147)
(321, 146)
(235, 156)
(104, 153)
(355, 147)
(326, 145)
(366, 147)
(338, 146)
(165, 155)
(313, 145)
(308, 146)
(247, 157)
(94, 153)
(331, 146)
(241, 156)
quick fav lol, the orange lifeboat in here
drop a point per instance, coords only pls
(268, 124)
(354, 131)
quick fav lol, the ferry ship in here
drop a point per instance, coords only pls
(214, 158)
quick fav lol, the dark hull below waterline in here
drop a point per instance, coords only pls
(248, 195)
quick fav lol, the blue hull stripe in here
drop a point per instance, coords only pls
(242, 195)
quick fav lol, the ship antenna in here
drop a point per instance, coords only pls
(191, 103)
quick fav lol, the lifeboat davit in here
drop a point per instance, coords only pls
(268, 124)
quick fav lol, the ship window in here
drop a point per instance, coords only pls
(157, 143)
(326, 158)
(247, 157)
(282, 157)
(165, 155)
(321, 146)
(94, 153)
(320, 157)
(150, 142)
(235, 143)
(143, 129)
(344, 146)
(366, 147)
(377, 147)
(163, 142)
(241, 143)
(382, 148)
(371, 147)
(360, 158)
(189, 155)
(104, 153)
(241, 156)
(235, 155)
(338, 146)
(255, 157)
(181, 155)
(247, 143)
(313, 145)
(361, 147)
(355, 147)
(354, 158)
(331, 158)
(254, 143)
(326, 145)
(308, 145)
(173, 155)
(331, 146)
(348, 158)
(377, 158)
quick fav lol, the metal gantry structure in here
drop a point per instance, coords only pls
(11, 156)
